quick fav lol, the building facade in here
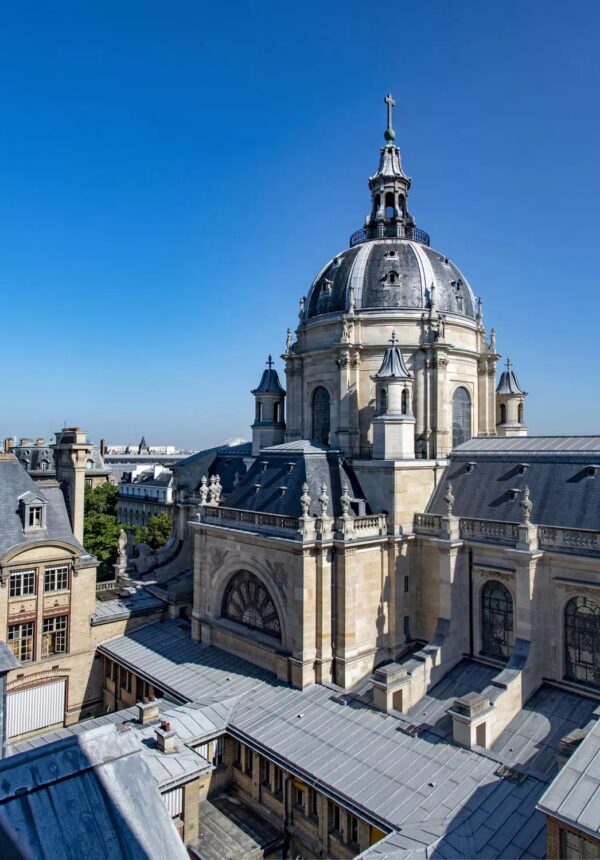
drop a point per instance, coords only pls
(145, 492)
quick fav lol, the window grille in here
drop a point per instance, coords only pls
(321, 416)
(582, 640)
(248, 602)
(20, 641)
(461, 417)
(496, 621)
(54, 635)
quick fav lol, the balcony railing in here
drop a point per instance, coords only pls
(489, 531)
(569, 540)
(428, 524)
(249, 520)
(371, 525)
(106, 585)
(390, 232)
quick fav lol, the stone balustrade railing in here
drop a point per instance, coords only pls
(249, 520)
(568, 540)
(427, 524)
(370, 525)
(489, 531)
(106, 585)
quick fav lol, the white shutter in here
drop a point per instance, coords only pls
(35, 708)
(174, 801)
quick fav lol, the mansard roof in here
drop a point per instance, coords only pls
(269, 382)
(15, 483)
(488, 476)
(509, 384)
(392, 366)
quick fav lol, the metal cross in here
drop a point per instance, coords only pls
(390, 105)
(270, 363)
(393, 338)
(508, 364)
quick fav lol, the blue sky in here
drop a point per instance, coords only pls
(173, 174)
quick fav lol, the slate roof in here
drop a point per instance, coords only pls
(269, 382)
(273, 484)
(147, 479)
(392, 365)
(555, 471)
(39, 460)
(365, 268)
(574, 796)
(434, 793)
(84, 796)
(224, 460)
(15, 483)
(509, 384)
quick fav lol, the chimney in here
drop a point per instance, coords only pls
(147, 711)
(71, 451)
(40, 442)
(8, 661)
(103, 447)
(9, 444)
(165, 737)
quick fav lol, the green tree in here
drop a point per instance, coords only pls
(101, 538)
(101, 500)
(156, 533)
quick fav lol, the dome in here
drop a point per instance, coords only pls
(390, 274)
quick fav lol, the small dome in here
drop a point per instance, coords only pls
(390, 274)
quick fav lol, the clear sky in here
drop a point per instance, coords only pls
(173, 175)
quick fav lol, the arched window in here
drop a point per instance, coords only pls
(392, 277)
(582, 640)
(405, 401)
(496, 620)
(376, 203)
(503, 413)
(258, 410)
(247, 601)
(389, 205)
(461, 417)
(400, 204)
(276, 417)
(383, 401)
(321, 416)
(520, 413)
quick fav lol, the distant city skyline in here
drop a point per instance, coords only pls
(172, 183)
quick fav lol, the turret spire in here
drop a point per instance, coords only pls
(390, 134)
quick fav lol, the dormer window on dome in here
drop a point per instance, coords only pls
(32, 508)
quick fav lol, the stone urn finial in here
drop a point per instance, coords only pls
(345, 500)
(203, 490)
(526, 506)
(449, 499)
(305, 500)
(323, 499)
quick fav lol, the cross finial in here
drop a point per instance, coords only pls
(393, 340)
(508, 364)
(390, 134)
(270, 362)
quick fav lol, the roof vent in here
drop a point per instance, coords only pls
(282, 490)
(522, 468)
(470, 467)
(264, 464)
(256, 487)
(591, 471)
(514, 494)
(290, 466)
(510, 773)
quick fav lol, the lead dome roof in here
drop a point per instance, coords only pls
(390, 274)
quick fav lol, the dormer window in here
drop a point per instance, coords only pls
(33, 512)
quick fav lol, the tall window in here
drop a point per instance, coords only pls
(56, 578)
(34, 517)
(461, 417)
(258, 410)
(248, 602)
(383, 401)
(582, 640)
(496, 620)
(54, 635)
(520, 413)
(22, 583)
(405, 401)
(321, 416)
(502, 413)
(20, 641)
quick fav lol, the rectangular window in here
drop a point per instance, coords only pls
(406, 584)
(219, 752)
(353, 829)
(334, 818)
(56, 578)
(22, 583)
(248, 767)
(277, 780)
(238, 755)
(265, 772)
(575, 847)
(125, 680)
(54, 635)
(313, 804)
(34, 519)
(20, 641)
(298, 796)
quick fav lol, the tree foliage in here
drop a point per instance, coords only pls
(101, 500)
(156, 533)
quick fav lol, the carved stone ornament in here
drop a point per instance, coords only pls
(526, 506)
(323, 499)
(345, 500)
(203, 491)
(305, 500)
(449, 499)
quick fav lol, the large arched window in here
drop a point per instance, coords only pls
(461, 417)
(496, 620)
(321, 416)
(247, 601)
(582, 640)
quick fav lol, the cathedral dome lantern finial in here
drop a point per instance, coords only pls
(390, 134)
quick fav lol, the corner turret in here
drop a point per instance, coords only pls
(510, 404)
(269, 423)
(394, 422)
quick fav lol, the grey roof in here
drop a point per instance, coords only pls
(224, 460)
(562, 492)
(147, 478)
(85, 796)
(273, 483)
(367, 269)
(115, 606)
(434, 793)
(392, 365)
(509, 384)
(8, 660)
(269, 382)
(39, 460)
(15, 483)
(574, 796)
